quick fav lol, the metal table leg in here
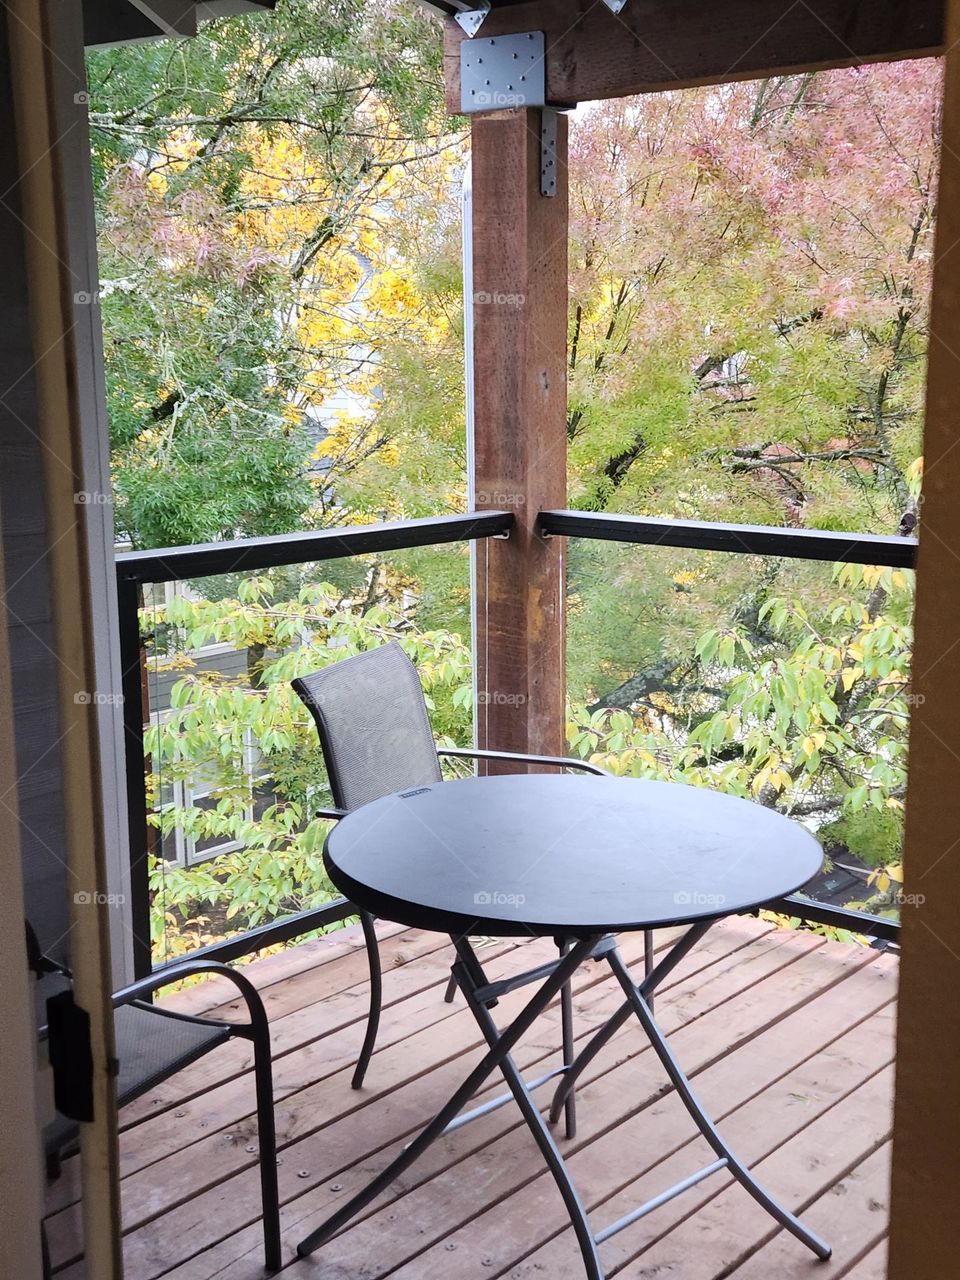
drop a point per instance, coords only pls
(610, 1028)
(497, 1056)
(637, 1002)
(480, 995)
(472, 979)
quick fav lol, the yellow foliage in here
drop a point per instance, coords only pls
(776, 777)
(341, 236)
(850, 676)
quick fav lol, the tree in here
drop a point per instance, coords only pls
(256, 749)
(750, 280)
(254, 185)
(749, 285)
(748, 335)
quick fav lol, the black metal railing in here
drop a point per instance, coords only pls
(756, 540)
(249, 555)
(742, 539)
(136, 568)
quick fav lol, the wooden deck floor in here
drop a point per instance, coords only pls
(789, 1038)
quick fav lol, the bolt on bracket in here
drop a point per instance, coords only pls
(548, 152)
(503, 72)
(471, 19)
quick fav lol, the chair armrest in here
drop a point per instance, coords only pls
(188, 969)
(333, 814)
(559, 762)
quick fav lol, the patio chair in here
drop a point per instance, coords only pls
(153, 1044)
(376, 739)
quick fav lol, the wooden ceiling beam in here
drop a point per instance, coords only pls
(112, 22)
(671, 44)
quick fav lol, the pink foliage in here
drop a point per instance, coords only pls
(752, 262)
(820, 195)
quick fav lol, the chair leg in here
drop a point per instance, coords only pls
(451, 990)
(648, 961)
(267, 1139)
(376, 999)
(566, 1024)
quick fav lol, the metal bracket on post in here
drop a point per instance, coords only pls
(548, 152)
(503, 72)
(470, 19)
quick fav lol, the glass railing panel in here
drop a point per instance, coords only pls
(234, 770)
(783, 681)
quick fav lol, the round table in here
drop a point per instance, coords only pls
(565, 855)
(578, 859)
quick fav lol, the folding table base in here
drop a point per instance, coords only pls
(480, 994)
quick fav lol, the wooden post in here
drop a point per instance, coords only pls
(926, 1146)
(520, 333)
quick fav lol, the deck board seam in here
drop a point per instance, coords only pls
(590, 994)
(849, 972)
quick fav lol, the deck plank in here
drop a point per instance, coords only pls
(787, 1036)
(850, 1213)
(313, 1159)
(184, 1099)
(766, 1087)
(872, 1266)
(680, 1006)
(321, 1058)
(704, 1233)
(727, 1229)
(329, 1013)
(282, 968)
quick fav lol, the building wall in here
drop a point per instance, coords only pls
(37, 733)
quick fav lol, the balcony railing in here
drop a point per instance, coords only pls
(138, 568)
(755, 540)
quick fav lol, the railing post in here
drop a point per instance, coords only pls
(520, 332)
(131, 664)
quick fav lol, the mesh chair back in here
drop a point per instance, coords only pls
(373, 725)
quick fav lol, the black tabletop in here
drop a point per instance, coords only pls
(562, 854)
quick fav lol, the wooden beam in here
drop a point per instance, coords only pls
(926, 1163)
(21, 1179)
(670, 44)
(520, 327)
(112, 22)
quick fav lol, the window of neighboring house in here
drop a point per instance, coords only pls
(160, 595)
(195, 793)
